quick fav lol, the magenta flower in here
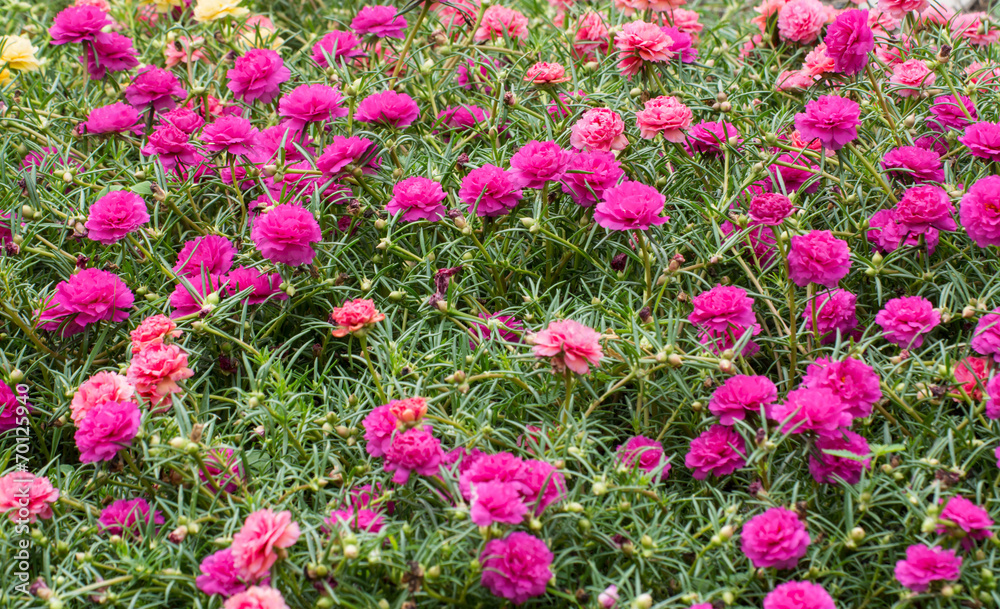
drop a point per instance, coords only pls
(90, 296)
(219, 575)
(380, 21)
(818, 257)
(776, 538)
(191, 298)
(258, 76)
(814, 409)
(986, 336)
(105, 430)
(209, 254)
(979, 211)
(230, 134)
(798, 595)
(13, 408)
(966, 520)
(224, 467)
(264, 286)
(338, 46)
(589, 175)
(848, 40)
(830, 119)
(723, 308)
(924, 207)
(128, 516)
(78, 24)
(310, 104)
(388, 109)
(379, 425)
(854, 382)
(358, 520)
(983, 140)
(708, 137)
(343, 152)
(109, 52)
(497, 327)
(496, 502)
(924, 565)
(114, 118)
(739, 396)
(539, 162)
(949, 113)
(718, 451)
(631, 206)
(908, 164)
(826, 468)
(569, 345)
(490, 190)
(154, 87)
(906, 320)
(645, 454)
(770, 208)
(172, 147)
(417, 198)
(887, 234)
(413, 450)
(516, 567)
(115, 215)
(286, 233)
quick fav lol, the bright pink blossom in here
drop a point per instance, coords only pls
(569, 345)
(924, 565)
(115, 215)
(516, 567)
(776, 538)
(105, 429)
(417, 198)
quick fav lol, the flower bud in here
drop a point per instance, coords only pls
(643, 601)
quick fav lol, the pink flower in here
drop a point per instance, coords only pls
(417, 198)
(801, 20)
(256, 597)
(851, 380)
(979, 211)
(770, 208)
(924, 207)
(191, 297)
(380, 425)
(599, 129)
(888, 235)
(154, 87)
(26, 497)
(543, 73)
(924, 565)
(115, 215)
(645, 454)
(832, 311)
(354, 317)
(818, 257)
(966, 520)
(640, 41)
(708, 137)
(343, 152)
(826, 468)
(109, 52)
(899, 8)
(224, 468)
(908, 164)
(818, 61)
(589, 175)
(258, 76)
(971, 374)
(986, 336)
(115, 118)
(906, 320)
(219, 575)
(798, 595)
(89, 297)
(408, 411)
(500, 22)
(265, 286)
(153, 330)
(209, 254)
(992, 403)
(101, 388)
(231, 134)
(254, 547)
(849, 40)
(776, 538)
(155, 370)
(489, 190)
(496, 502)
(539, 162)
(414, 450)
(78, 24)
(740, 396)
(338, 46)
(309, 104)
(815, 409)
(592, 35)
(497, 327)
(380, 21)
(14, 408)
(723, 308)
(570, 345)
(983, 140)
(609, 597)
(181, 51)
(718, 451)
(631, 206)
(792, 80)
(910, 77)
(389, 109)
(462, 118)
(360, 520)
(172, 147)
(666, 115)
(102, 432)
(499, 467)
(286, 233)
(540, 484)
(976, 28)
(516, 567)
(831, 119)
(128, 516)
(949, 114)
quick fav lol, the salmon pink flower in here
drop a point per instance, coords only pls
(355, 317)
(569, 345)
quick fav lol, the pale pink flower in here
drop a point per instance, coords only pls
(570, 345)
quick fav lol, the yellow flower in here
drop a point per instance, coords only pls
(213, 10)
(164, 6)
(16, 53)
